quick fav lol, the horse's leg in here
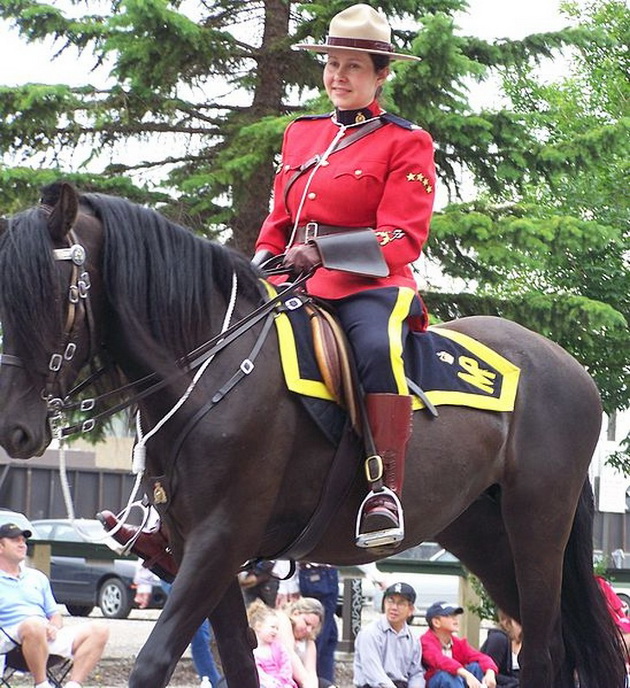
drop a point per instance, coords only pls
(479, 539)
(235, 639)
(197, 593)
(538, 512)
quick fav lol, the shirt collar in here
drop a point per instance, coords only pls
(386, 626)
(349, 117)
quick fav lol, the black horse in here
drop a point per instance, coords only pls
(506, 492)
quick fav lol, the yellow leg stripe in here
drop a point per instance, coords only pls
(394, 331)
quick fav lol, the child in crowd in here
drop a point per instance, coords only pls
(272, 660)
(451, 662)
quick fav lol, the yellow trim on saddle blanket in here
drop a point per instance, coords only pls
(289, 358)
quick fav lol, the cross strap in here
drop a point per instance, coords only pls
(346, 141)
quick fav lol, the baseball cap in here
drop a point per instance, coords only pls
(11, 530)
(442, 609)
(402, 589)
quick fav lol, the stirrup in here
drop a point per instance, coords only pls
(380, 538)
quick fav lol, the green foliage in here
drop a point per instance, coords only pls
(486, 608)
(163, 59)
(621, 458)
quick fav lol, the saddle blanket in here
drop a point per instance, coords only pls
(450, 367)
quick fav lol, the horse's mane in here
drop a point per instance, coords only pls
(163, 277)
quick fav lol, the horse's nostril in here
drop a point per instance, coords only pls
(20, 443)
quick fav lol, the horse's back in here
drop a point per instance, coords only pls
(547, 369)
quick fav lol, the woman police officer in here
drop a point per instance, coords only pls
(355, 183)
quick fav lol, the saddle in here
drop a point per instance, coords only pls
(334, 360)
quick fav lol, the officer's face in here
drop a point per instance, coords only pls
(351, 80)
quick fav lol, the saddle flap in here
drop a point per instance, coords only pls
(333, 360)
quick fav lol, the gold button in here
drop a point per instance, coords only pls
(358, 172)
(324, 163)
(312, 196)
(287, 166)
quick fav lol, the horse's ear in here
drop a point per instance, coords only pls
(64, 212)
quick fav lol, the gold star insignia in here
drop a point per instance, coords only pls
(411, 177)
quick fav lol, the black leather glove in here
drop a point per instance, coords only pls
(302, 258)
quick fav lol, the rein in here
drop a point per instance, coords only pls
(78, 292)
(198, 356)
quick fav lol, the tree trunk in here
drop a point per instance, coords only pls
(251, 196)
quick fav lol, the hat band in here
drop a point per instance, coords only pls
(362, 43)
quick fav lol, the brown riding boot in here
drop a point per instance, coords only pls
(151, 545)
(380, 520)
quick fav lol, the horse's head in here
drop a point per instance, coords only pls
(49, 257)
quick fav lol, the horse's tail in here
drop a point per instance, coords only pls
(594, 646)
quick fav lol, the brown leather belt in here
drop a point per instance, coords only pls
(314, 229)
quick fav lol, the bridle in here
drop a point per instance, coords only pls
(78, 298)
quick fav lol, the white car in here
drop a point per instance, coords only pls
(429, 587)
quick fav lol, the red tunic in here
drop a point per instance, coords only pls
(385, 180)
(463, 653)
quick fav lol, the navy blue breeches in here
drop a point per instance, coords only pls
(376, 324)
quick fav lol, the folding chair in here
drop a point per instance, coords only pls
(56, 671)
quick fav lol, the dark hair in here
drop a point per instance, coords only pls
(380, 61)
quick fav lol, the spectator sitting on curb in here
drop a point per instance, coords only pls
(386, 655)
(451, 662)
(29, 616)
(503, 644)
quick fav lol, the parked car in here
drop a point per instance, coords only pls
(89, 574)
(93, 578)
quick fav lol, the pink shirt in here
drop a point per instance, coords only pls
(274, 668)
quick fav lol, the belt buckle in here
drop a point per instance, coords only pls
(310, 231)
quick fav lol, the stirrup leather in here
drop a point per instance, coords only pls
(380, 538)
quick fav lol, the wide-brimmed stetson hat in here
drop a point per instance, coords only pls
(362, 28)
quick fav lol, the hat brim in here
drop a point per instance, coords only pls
(16, 534)
(326, 48)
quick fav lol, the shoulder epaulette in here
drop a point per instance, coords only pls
(301, 117)
(395, 119)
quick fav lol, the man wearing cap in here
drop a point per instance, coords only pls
(29, 616)
(451, 662)
(386, 655)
